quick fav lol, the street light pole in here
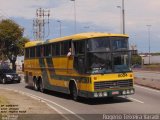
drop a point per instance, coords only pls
(120, 18)
(149, 40)
(75, 18)
(60, 31)
(123, 16)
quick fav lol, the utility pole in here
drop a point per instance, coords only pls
(75, 17)
(39, 24)
(60, 28)
(123, 16)
(149, 42)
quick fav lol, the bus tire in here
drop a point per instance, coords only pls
(74, 91)
(41, 86)
(36, 84)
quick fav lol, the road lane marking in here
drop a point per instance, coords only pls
(46, 100)
(56, 110)
(150, 89)
(36, 98)
(136, 100)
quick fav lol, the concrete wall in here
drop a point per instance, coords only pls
(153, 60)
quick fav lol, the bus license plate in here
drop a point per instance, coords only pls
(115, 93)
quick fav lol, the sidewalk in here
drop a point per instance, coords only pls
(151, 83)
(21, 107)
(148, 83)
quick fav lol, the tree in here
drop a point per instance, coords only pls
(12, 41)
(136, 59)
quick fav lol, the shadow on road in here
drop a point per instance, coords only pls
(98, 101)
(53, 93)
(93, 101)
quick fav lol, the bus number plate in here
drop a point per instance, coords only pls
(115, 93)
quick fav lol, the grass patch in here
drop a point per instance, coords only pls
(152, 66)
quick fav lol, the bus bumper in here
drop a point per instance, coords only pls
(108, 93)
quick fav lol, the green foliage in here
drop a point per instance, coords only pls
(11, 39)
(136, 59)
(154, 54)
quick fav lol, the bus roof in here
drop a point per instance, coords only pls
(33, 43)
(74, 37)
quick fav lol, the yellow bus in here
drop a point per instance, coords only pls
(99, 65)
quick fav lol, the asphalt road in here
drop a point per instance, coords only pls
(144, 101)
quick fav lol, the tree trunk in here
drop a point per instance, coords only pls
(13, 61)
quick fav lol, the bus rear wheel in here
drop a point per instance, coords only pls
(41, 86)
(36, 84)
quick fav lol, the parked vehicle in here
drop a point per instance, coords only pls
(8, 75)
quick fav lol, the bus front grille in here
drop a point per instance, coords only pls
(113, 84)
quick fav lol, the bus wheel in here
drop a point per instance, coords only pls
(74, 92)
(41, 86)
(36, 84)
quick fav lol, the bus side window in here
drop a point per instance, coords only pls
(42, 51)
(57, 49)
(79, 47)
(65, 46)
(79, 59)
(47, 50)
(32, 52)
(26, 53)
(38, 51)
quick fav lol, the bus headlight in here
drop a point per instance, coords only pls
(100, 94)
(105, 94)
(95, 95)
(124, 92)
(128, 92)
(132, 91)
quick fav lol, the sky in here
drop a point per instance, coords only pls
(91, 16)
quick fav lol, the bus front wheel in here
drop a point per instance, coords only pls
(74, 91)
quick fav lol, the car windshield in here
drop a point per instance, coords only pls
(8, 71)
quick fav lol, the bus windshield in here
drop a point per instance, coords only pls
(106, 55)
(119, 43)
